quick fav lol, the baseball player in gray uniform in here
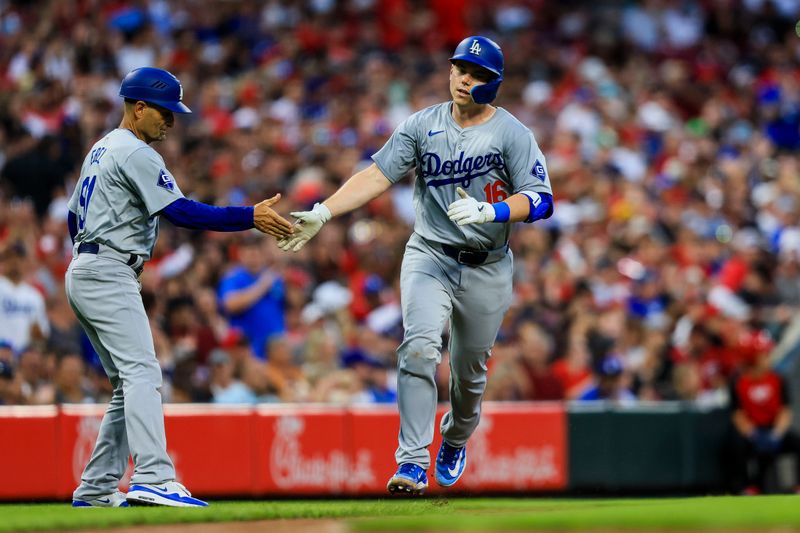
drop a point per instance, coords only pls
(123, 187)
(478, 169)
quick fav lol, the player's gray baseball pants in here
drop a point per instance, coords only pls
(434, 288)
(104, 293)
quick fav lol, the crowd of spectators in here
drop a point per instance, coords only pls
(670, 130)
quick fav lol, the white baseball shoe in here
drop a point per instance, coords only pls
(170, 494)
(115, 499)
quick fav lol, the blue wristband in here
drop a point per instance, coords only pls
(502, 212)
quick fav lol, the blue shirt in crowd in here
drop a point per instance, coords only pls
(264, 318)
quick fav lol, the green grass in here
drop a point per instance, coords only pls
(439, 514)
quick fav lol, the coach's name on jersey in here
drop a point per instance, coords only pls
(469, 168)
(97, 153)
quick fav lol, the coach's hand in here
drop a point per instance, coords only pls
(308, 224)
(268, 221)
(468, 210)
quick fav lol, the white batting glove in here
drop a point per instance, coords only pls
(308, 224)
(468, 210)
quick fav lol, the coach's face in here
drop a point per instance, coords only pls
(153, 121)
(463, 77)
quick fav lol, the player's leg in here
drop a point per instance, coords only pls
(109, 459)
(479, 305)
(111, 303)
(113, 306)
(480, 302)
(426, 306)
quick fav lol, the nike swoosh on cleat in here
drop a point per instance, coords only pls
(480, 208)
(104, 501)
(431, 133)
(159, 489)
(454, 471)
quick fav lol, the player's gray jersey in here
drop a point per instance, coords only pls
(491, 161)
(123, 184)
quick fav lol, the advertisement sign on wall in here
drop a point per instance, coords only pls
(284, 450)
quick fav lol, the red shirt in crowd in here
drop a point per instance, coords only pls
(760, 397)
(573, 380)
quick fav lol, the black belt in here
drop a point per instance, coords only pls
(466, 257)
(94, 248)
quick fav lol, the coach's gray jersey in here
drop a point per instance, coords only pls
(123, 184)
(491, 161)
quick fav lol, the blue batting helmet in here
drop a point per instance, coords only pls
(155, 86)
(486, 53)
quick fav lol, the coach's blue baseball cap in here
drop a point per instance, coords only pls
(154, 86)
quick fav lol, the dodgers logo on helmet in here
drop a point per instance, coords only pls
(475, 48)
(485, 53)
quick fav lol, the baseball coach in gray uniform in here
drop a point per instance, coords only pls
(123, 188)
(478, 169)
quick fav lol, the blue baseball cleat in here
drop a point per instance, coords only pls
(169, 494)
(450, 464)
(115, 499)
(409, 479)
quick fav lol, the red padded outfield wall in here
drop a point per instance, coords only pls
(283, 449)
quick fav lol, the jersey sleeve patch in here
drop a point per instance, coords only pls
(538, 171)
(165, 181)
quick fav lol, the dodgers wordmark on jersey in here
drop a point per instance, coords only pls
(123, 184)
(491, 161)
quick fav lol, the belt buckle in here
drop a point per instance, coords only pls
(470, 258)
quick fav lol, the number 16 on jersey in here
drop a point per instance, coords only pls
(87, 187)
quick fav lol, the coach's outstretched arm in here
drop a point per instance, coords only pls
(197, 215)
(357, 191)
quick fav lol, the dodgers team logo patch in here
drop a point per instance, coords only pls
(538, 171)
(165, 181)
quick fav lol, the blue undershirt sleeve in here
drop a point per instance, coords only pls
(72, 225)
(196, 215)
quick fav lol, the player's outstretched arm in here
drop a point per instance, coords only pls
(197, 215)
(357, 191)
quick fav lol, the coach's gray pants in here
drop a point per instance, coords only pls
(104, 293)
(435, 288)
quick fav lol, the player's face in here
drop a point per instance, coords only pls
(154, 123)
(463, 77)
